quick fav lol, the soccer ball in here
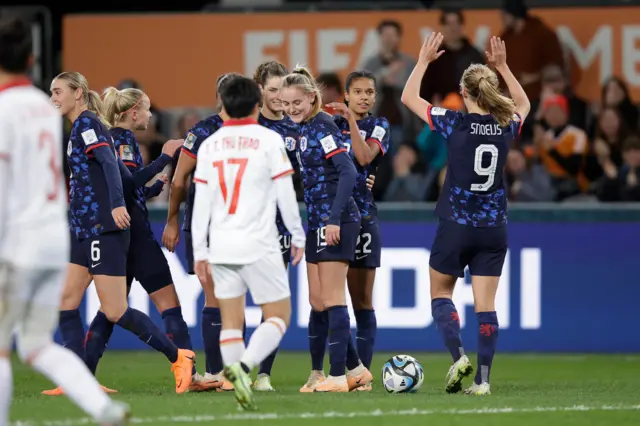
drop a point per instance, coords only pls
(402, 374)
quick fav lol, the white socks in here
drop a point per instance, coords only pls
(6, 390)
(231, 346)
(263, 341)
(68, 372)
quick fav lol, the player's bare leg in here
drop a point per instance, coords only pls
(318, 329)
(332, 278)
(31, 308)
(112, 292)
(484, 296)
(76, 283)
(360, 283)
(448, 322)
(213, 378)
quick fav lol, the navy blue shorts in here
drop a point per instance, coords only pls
(104, 254)
(457, 246)
(188, 248)
(285, 248)
(317, 249)
(368, 248)
(146, 262)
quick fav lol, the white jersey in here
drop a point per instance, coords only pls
(34, 229)
(236, 194)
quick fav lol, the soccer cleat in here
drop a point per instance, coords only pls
(60, 392)
(205, 383)
(458, 371)
(116, 414)
(482, 389)
(365, 388)
(182, 369)
(224, 384)
(362, 379)
(332, 384)
(241, 386)
(313, 380)
(263, 383)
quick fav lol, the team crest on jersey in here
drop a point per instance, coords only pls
(126, 153)
(290, 143)
(303, 143)
(189, 140)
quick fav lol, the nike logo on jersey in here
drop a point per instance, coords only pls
(361, 257)
(319, 250)
(96, 264)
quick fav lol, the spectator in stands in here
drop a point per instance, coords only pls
(186, 121)
(443, 76)
(408, 184)
(531, 46)
(331, 88)
(527, 180)
(554, 82)
(611, 132)
(392, 69)
(615, 93)
(622, 184)
(562, 148)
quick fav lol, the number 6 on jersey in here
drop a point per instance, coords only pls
(227, 170)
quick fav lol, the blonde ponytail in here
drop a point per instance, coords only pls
(92, 100)
(117, 103)
(481, 84)
(302, 77)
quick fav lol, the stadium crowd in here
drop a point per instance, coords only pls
(569, 149)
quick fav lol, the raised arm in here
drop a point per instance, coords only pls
(411, 93)
(498, 59)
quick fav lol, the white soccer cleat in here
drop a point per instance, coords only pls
(263, 383)
(482, 389)
(115, 414)
(458, 371)
(314, 379)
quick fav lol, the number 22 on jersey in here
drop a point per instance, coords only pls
(231, 165)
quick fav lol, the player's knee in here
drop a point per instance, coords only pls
(165, 298)
(29, 344)
(315, 300)
(114, 313)
(281, 323)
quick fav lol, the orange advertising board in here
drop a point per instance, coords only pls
(177, 58)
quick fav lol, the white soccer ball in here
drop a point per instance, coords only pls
(402, 374)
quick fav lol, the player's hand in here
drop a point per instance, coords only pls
(171, 146)
(371, 179)
(163, 177)
(430, 48)
(170, 236)
(121, 217)
(332, 235)
(296, 254)
(497, 57)
(203, 271)
(340, 108)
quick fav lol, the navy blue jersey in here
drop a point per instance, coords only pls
(372, 129)
(95, 182)
(319, 144)
(198, 133)
(477, 147)
(289, 132)
(128, 149)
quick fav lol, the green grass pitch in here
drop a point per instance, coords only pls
(527, 390)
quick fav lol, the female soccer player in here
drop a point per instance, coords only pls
(100, 227)
(328, 176)
(269, 76)
(366, 139)
(128, 110)
(211, 321)
(473, 204)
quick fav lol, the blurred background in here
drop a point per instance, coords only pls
(573, 174)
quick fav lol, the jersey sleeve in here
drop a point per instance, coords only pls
(92, 135)
(330, 139)
(279, 164)
(516, 124)
(442, 120)
(380, 134)
(194, 139)
(124, 148)
(203, 172)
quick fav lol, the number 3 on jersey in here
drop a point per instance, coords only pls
(235, 194)
(489, 171)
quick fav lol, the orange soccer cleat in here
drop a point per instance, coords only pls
(182, 369)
